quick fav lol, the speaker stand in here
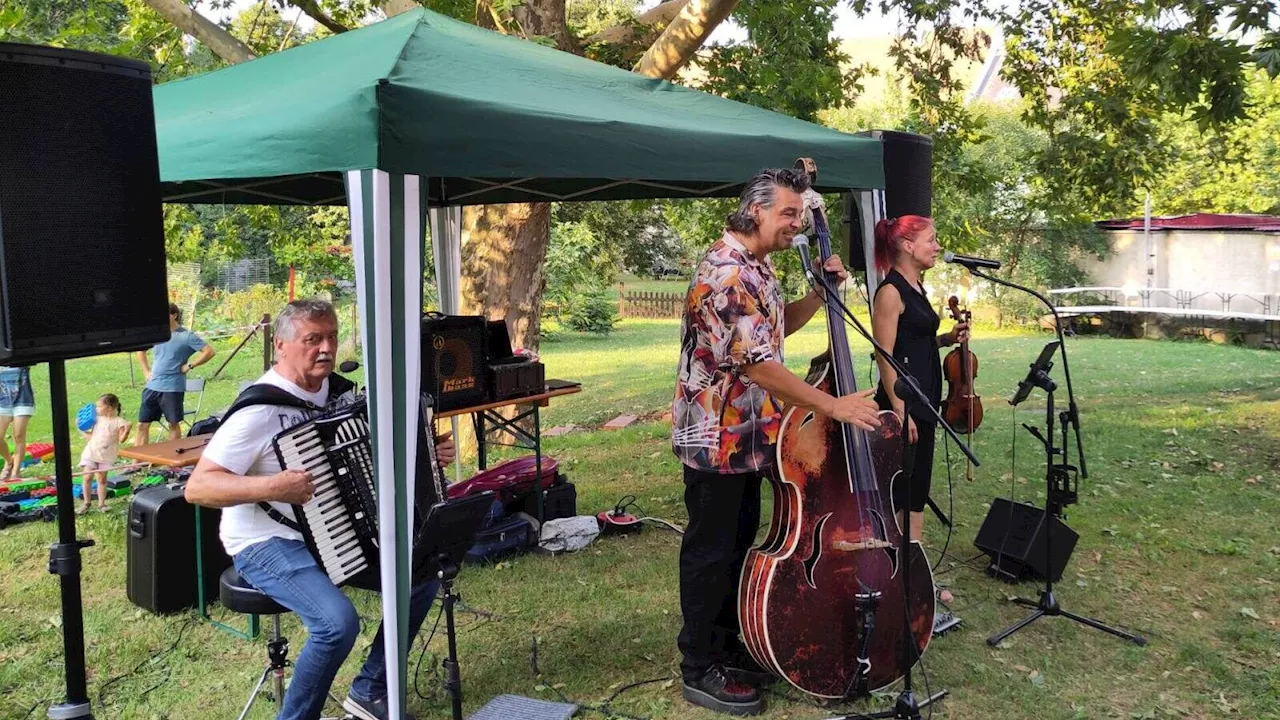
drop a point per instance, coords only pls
(64, 556)
(1058, 494)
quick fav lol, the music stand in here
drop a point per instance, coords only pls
(1038, 375)
(441, 543)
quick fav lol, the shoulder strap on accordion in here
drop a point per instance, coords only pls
(263, 394)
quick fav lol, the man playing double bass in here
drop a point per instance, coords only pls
(725, 421)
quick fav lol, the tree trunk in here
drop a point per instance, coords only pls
(682, 38)
(505, 246)
(222, 43)
(502, 266)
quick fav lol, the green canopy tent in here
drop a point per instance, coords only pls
(421, 111)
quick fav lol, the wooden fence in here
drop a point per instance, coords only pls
(650, 304)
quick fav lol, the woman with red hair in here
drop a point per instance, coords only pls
(905, 324)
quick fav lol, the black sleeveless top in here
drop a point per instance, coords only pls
(916, 346)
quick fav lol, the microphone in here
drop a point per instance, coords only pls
(801, 244)
(970, 262)
(349, 366)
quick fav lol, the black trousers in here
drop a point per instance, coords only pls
(724, 514)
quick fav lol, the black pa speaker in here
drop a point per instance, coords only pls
(455, 360)
(851, 233)
(82, 267)
(1013, 534)
(908, 172)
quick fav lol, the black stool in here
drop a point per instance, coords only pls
(239, 596)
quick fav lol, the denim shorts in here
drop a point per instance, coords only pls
(16, 396)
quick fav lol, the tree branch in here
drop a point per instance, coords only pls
(682, 38)
(222, 43)
(623, 34)
(312, 9)
(391, 8)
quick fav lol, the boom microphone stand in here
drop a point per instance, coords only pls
(1072, 415)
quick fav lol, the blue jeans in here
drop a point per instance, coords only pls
(286, 571)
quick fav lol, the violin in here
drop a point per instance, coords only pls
(821, 602)
(962, 409)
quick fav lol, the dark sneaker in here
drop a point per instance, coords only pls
(743, 667)
(368, 709)
(717, 690)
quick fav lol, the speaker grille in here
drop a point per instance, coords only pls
(81, 228)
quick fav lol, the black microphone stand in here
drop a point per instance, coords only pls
(906, 706)
(1056, 478)
(1059, 492)
(1072, 415)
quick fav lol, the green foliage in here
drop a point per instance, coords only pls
(790, 63)
(635, 232)
(1179, 46)
(578, 263)
(593, 311)
(1227, 170)
(247, 306)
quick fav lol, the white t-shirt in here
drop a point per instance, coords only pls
(243, 445)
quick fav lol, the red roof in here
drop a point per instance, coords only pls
(1199, 221)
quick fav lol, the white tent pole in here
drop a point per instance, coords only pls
(446, 249)
(386, 241)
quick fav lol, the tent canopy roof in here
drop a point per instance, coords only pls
(482, 117)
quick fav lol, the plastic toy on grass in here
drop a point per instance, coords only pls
(87, 417)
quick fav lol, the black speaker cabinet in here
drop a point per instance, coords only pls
(455, 360)
(908, 172)
(851, 233)
(1014, 534)
(82, 268)
(160, 551)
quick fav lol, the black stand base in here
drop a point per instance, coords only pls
(906, 707)
(1048, 606)
(452, 676)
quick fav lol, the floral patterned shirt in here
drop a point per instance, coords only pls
(733, 316)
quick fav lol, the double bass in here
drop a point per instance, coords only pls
(821, 599)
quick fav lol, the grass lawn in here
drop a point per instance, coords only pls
(1177, 541)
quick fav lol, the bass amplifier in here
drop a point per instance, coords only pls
(455, 360)
(1013, 535)
(160, 554)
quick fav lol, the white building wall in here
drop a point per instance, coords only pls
(1247, 263)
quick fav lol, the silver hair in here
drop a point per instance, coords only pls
(762, 190)
(287, 320)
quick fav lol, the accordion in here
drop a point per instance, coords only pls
(340, 523)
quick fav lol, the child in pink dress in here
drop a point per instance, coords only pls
(100, 453)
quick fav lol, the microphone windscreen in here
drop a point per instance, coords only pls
(349, 366)
(799, 241)
(948, 256)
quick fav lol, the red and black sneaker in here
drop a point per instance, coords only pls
(717, 690)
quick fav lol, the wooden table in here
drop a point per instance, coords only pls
(487, 421)
(171, 453)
